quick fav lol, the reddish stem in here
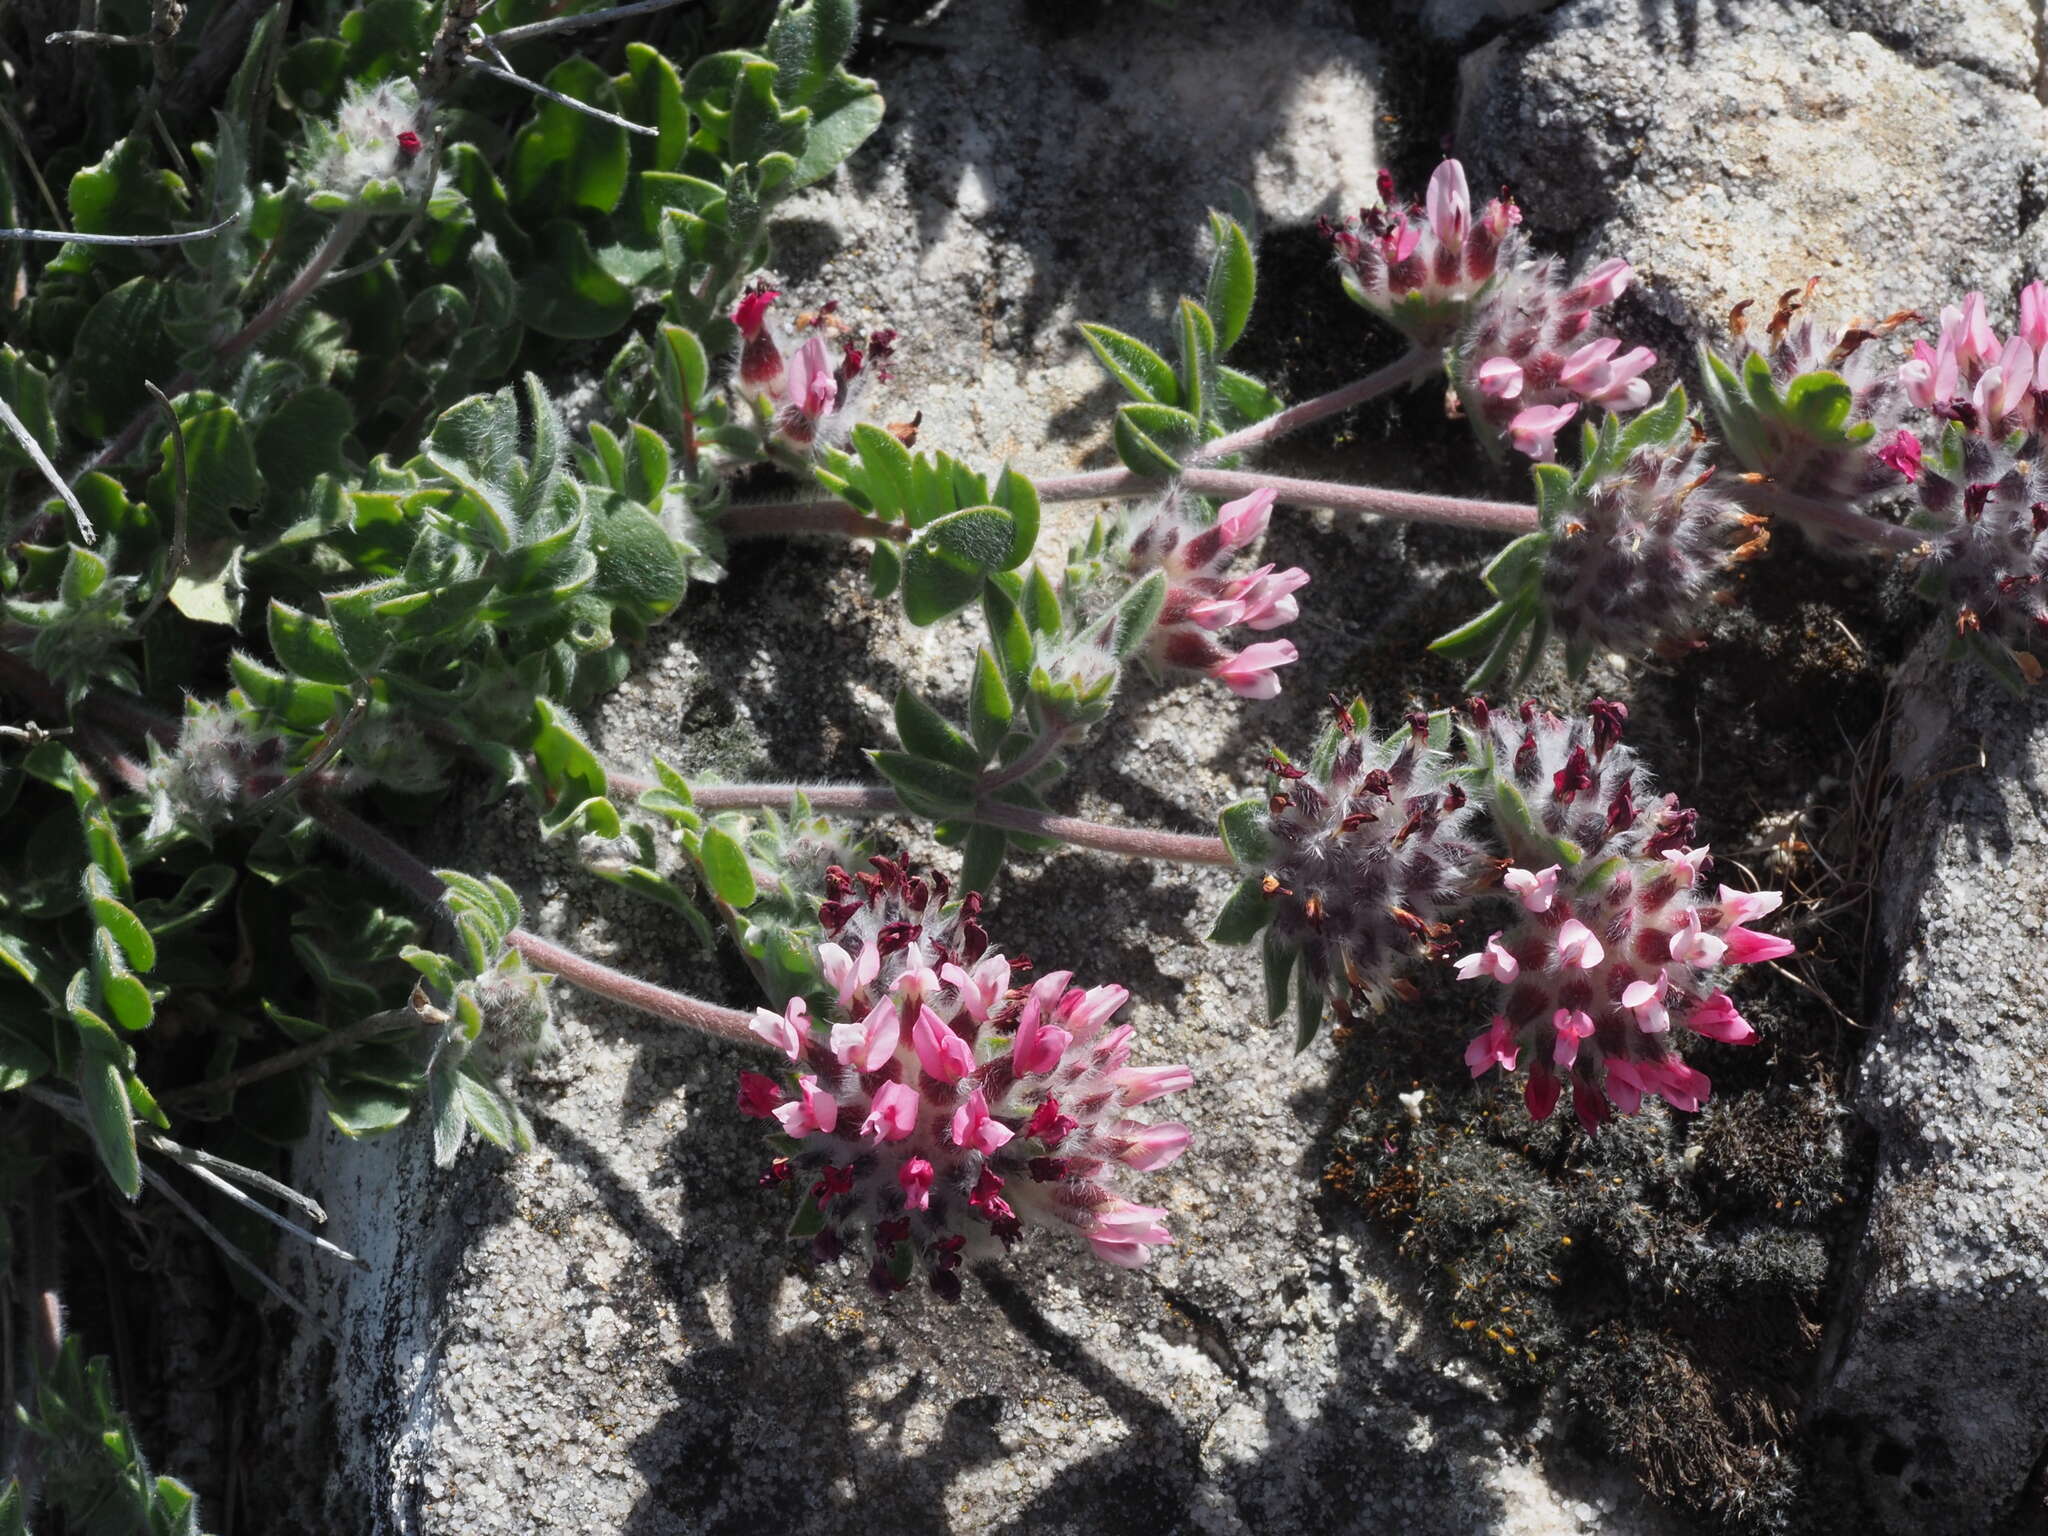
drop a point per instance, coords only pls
(864, 800)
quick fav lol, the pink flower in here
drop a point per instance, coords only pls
(1534, 431)
(1495, 1045)
(1968, 333)
(1717, 1019)
(1747, 947)
(1151, 1147)
(1536, 890)
(812, 1109)
(1601, 286)
(2034, 316)
(1929, 376)
(1748, 906)
(975, 1128)
(812, 388)
(1578, 946)
(1690, 946)
(1251, 673)
(752, 309)
(1500, 378)
(1448, 204)
(1902, 453)
(1646, 1001)
(1086, 1012)
(1240, 522)
(844, 974)
(1540, 1092)
(1266, 599)
(785, 1030)
(868, 1045)
(892, 1115)
(758, 1095)
(1141, 1085)
(1492, 961)
(981, 988)
(1625, 1084)
(915, 1179)
(1686, 863)
(1680, 1086)
(1125, 1233)
(940, 1052)
(1048, 1125)
(1038, 1046)
(1572, 1025)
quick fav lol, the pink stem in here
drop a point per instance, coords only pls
(1826, 516)
(864, 800)
(407, 872)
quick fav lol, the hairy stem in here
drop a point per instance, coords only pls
(865, 800)
(1829, 518)
(403, 870)
(757, 520)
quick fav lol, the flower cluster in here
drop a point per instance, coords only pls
(1368, 852)
(1420, 267)
(1810, 407)
(1201, 603)
(1611, 942)
(1988, 558)
(1532, 354)
(945, 1103)
(1644, 537)
(375, 152)
(800, 395)
(1969, 376)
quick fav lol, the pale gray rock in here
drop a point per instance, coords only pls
(1733, 150)
(1934, 1405)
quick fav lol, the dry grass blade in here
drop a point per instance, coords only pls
(510, 78)
(185, 237)
(34, 450)
(581, 19)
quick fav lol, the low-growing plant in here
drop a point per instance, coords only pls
(309, 546)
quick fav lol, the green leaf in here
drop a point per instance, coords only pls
(1249, 400)
(981, 857)
(1276, 965)
(1233, 280)
(1243, 829)
(566, 292)
(1658, 425)
(944, 565)
(885, 569)
(487, 1110)
(109, 1119)
(1516, 566)
(842, 120)
(359, 1108)
(1553, 494)
(1475, 638)
(1245, 915)
(927, 733)
(989, 707)
(300, 440)
(927, 788)
(1016, 495)
(1820, 403)
(1151, 439)
(220, 460)
(808, 42)
(1197, 357)
(1308, 1009)
(123, 925)
(572, 774)
(565, 160)
(308, 647)
(1132, 364)
(888, 467)
(1136, 612)
(1008, 634)
(1042, 604)
(726, 869)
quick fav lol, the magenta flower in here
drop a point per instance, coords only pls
(1627, 943)
(785, 1031)
(1493, 961)
(1201, 602)
(1534, 431)
(1253, 672)
(1902, 454)
(942, 1110)
(799, 393)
